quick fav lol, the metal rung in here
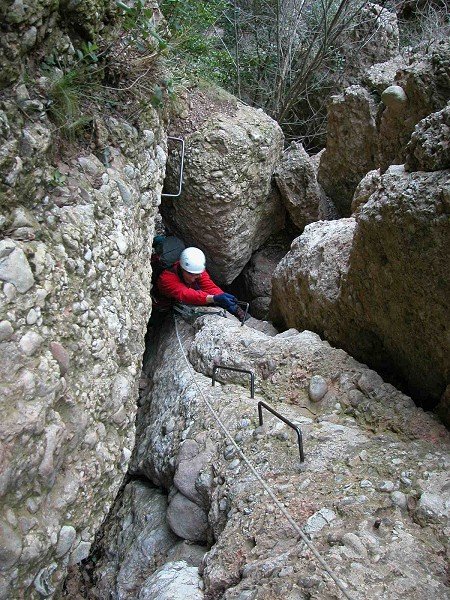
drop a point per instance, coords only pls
(252, 376)
(169, 137)
(274, 412)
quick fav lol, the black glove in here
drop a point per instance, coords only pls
(226, 301)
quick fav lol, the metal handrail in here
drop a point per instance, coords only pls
(252, 376)
(262, 404)
(169, 137)
(246, 304)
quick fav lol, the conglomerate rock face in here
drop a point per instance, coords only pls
(74, 304)
(352, 145)
(370, 128)
(226, 206)
(377, 285)
(429, 148)
(371, 493)
(303, 197)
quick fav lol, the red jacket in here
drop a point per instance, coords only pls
(170, 285)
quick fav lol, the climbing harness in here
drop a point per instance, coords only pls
(252, 376)
(279, 505)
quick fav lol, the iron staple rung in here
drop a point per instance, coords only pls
(262, 404)
(252, 376)
(169, 137)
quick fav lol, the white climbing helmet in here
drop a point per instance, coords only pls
(193, 261)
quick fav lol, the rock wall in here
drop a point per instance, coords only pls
(377, 284)
(303, 197)
(76, 235)
(371, 489)
(370, 126)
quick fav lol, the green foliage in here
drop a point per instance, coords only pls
(57, 178)
(194, 41)
(71, 87)
(138, 22)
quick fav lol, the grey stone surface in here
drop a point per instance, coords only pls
(136, 541)
(376, 285)
(257, 276)
(174, 581)
(365, 188)
(187, 519)
(303, 197)
(429, 148)
(425, 84)
(14, 267)
(352, 145)
(318, 387)
(350, 452)
(72, 248)
(364, 133)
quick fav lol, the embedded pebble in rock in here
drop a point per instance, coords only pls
(318, 387)
(30, 342)
(14, 267)
(61, 356)
(10, 546)
(394, 96)
(386, 486)
(66, 539)
(6, 330)
(433, 508)
(399, 499)
(187, 519)
(319, 520)
(80, 553)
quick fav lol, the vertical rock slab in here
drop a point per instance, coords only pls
(352, 145)
(75, 281)
(303, 197)
(134, 543)
(226, 206)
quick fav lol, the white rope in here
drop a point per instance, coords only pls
(293, 524)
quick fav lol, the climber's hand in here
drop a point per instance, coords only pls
(226, 301)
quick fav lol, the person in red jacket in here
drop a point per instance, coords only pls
(188, 282)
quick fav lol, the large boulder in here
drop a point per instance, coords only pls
(135, 541)
(227, 207)
(303, 197)
(377, 285)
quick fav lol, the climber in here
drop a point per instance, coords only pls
(188, 282)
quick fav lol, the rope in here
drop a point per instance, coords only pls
(283, 510)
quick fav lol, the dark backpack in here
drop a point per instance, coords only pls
(166, 252)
